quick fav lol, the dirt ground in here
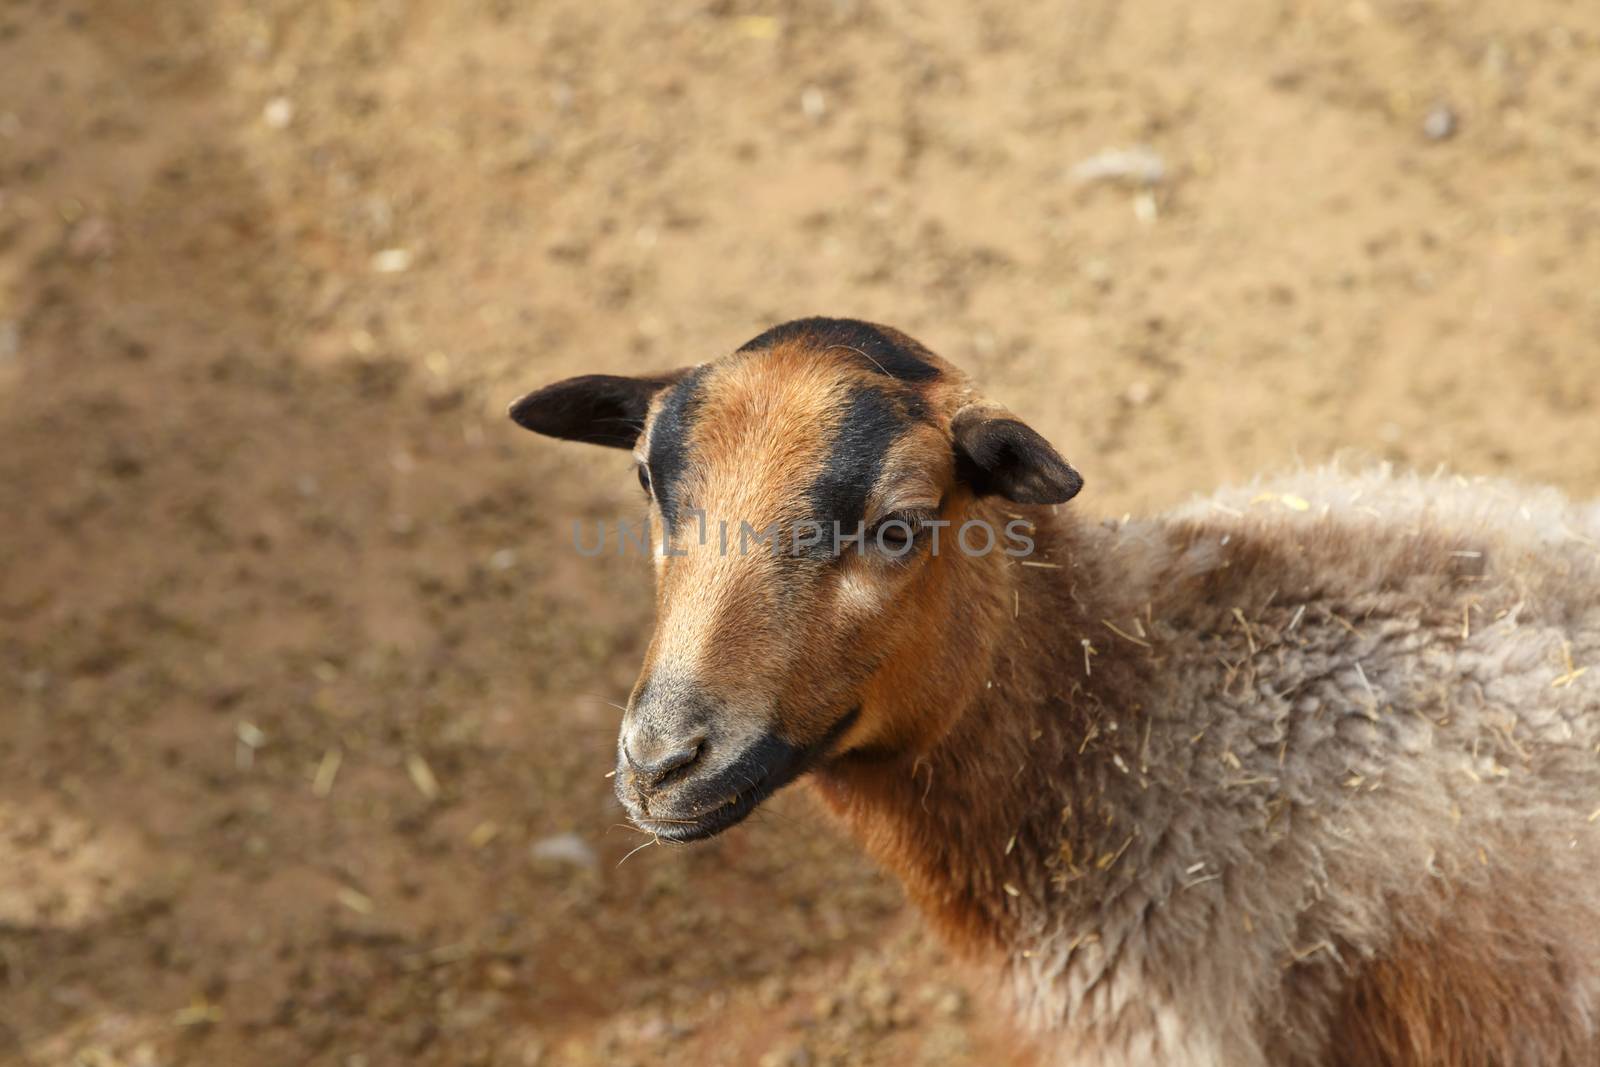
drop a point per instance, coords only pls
(305, 700)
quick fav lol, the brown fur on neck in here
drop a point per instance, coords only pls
(1003, 729)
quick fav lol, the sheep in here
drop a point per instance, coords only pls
(1302, 773)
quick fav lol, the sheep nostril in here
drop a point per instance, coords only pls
(656, 762)
(673, 760)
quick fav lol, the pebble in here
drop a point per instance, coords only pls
(1140, 164)
(799, 1056)
(566, 848)
(278, 113)
(392, 261)
(1440, 124)
(813, 103)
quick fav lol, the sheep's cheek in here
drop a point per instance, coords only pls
(859, 596)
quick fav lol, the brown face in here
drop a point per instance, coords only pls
(797, 490)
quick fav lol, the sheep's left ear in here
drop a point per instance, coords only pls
(1001, 456)
(598, 409)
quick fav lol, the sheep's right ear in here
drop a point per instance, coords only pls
(598, 409)
(998, 455)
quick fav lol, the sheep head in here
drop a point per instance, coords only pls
(825, 504)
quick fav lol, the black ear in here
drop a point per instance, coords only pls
(1000, 456)
(598, 409)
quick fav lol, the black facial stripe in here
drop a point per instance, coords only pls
(669, 444)
(870, 425)
(877, 348)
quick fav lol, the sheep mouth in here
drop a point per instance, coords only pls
(763, 769)
(730, 812)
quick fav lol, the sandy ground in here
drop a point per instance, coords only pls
(304, 698)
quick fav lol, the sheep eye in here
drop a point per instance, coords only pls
(896, 533)
(644, 479)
